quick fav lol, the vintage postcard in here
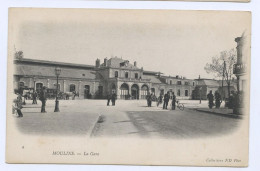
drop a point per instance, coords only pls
(139, 87)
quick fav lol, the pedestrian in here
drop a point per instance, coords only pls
(108, 98)
(173, 101)
(159, 100)
(149, 100)
(217, 99)
(113, 98)
(210, 97)
(166, 100)
(34, 97)
(43, 99)
(18, 105)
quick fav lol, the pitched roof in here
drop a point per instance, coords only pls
(52, 63)
(208, 82)
(49, 71)
(154, 79)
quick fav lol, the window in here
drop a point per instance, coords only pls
(83, 75)
(170, 82)
(116, 74)
(21, 84)
(136, 75)
(72, 87)
(153, 90)
(56, 87)
(186, 93)
(193, 83)
(126, 74)
(179, 92)
(186, 83)
(179, 82)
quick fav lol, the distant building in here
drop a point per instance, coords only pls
(127, 80)
(239, 69)
(204, 86)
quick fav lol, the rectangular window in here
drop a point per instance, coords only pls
(170, 82)
(136, 75)
(179, 92)
(186, 93)
(193, 83)
(186, 83)
(179, 82)
(126, 74)
(116, 74)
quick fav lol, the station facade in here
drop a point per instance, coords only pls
(116, 75)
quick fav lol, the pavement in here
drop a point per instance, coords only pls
(129, 118)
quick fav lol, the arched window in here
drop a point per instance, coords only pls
(193, 83)
(144, 91)
(72, 87)
(116, 74)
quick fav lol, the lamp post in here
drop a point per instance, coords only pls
(200, 94)
(57, 73)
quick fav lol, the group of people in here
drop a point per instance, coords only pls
(217, 97)
(18, 101)
(162, 98)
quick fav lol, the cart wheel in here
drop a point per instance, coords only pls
(181, 107)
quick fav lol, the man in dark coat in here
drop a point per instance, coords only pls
(34, 97)
(166, 100)
(108, 98)
(43, 99)
(113, 98)
(210, 97)
(173, 101)
(217, 99)
(149, 100)
(18, 105)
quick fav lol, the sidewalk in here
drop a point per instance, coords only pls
(221, 111)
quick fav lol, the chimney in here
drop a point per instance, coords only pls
(97, 63)
(135, 63)
(105, 62)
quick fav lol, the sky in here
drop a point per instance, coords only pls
(172, 42)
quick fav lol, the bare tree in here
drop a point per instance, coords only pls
(222, 66)
(18, 54)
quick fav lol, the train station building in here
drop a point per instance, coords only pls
(117, 75)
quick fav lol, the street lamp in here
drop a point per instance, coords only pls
(57, 73)
(200, 94)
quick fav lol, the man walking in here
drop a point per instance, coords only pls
(113, 99)
(211, 99)
(108, 98)
(34, 97)
(43, 98)
(166, 100)
(173, 101)
(149, 100)
(217, 99)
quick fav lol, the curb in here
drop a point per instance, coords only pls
(89, 134)
(221, 114)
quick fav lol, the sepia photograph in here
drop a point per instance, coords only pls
(169, 86)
